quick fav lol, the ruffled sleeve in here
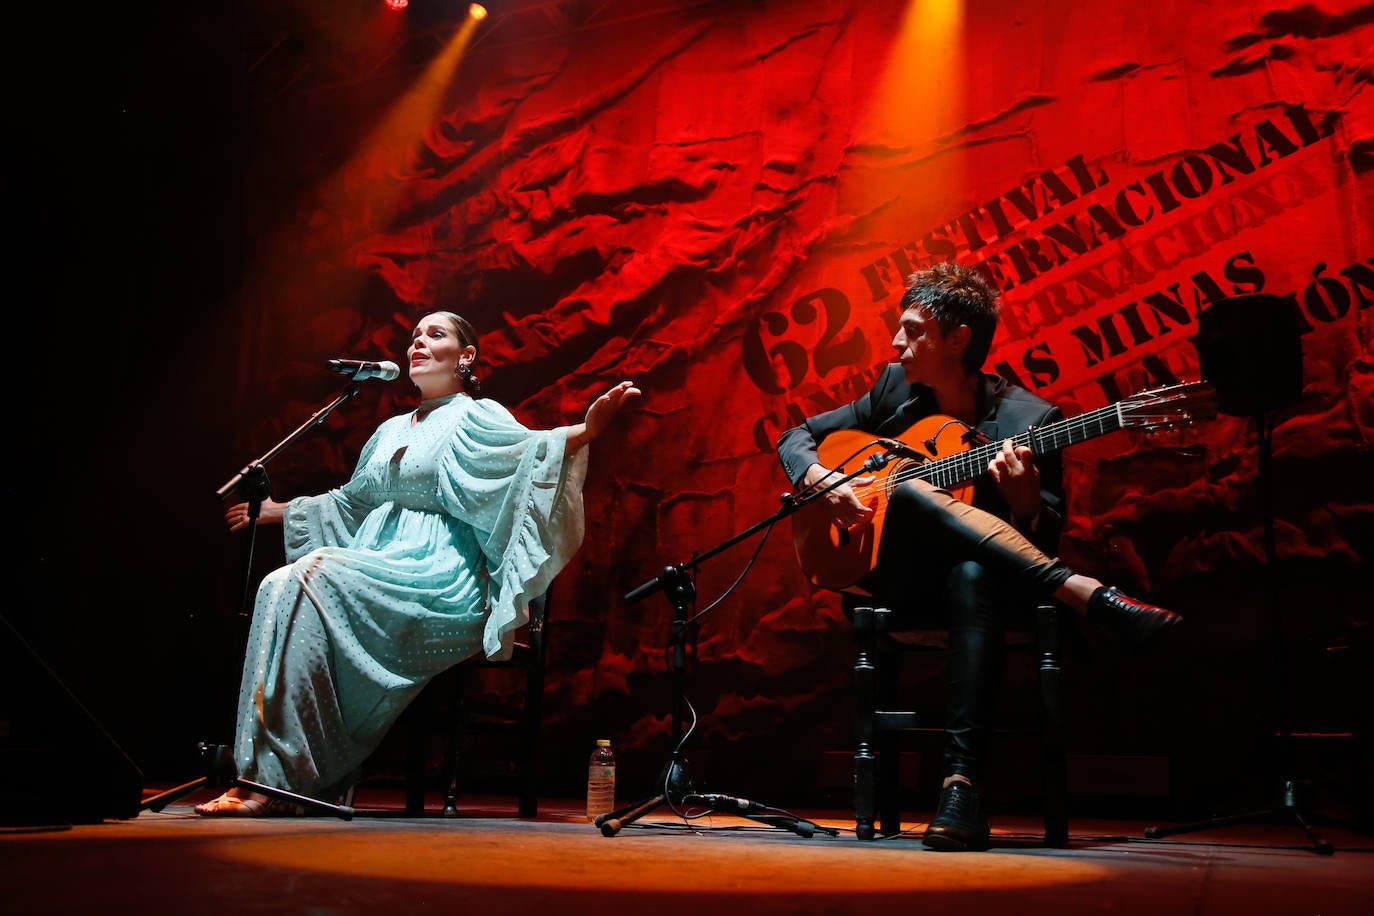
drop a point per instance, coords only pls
(330, 519)
(522, 495)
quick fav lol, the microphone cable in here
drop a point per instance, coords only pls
(852, 455)
(738, 579)
(677, 751)
(764, 540)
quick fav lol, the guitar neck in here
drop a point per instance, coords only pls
(966, 466)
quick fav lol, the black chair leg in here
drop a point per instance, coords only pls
(416, 746)
(1053, 752)
(877, 724)
(865, 706)
(528, 764)
(453, 750)
(889, 746)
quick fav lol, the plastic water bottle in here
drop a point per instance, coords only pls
(601, 780)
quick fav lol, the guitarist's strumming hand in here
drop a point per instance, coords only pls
(844, 504)
(1014, 470)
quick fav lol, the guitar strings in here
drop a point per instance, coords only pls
(968, 465)
(973, 463)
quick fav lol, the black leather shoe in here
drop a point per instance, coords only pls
(1138, 625)
(959, 823)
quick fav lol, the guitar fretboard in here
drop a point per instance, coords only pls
(965, 466)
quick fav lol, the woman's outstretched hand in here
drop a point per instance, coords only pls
(601, 414)
(270, 512)
(605, 408)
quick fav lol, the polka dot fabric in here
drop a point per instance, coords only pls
(429, 554)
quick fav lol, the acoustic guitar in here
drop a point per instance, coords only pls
(951, 455)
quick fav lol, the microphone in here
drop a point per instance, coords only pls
(671, 575)
(906, 451)
(722, 802)
(359, 369)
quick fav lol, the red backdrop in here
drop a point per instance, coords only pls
(719, 201)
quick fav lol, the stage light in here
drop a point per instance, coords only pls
(477, 11)
(915, 113)
(398, 4)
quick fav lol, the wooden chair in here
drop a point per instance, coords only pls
(880, 720)
(524, 723)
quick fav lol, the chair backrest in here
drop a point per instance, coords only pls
(539, 615)
(530, 645)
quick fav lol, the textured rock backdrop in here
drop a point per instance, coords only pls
(719, 201)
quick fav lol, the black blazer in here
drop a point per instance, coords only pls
(893, 405)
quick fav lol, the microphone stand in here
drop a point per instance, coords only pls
(673, 785)
(252, 481)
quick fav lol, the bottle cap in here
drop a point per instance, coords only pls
(603, 742)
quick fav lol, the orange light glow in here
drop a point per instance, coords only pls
(365, 207)
(530, 861)
(916, 114)
(398, 4)
(477, 11)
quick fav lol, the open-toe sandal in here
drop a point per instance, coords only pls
(251, 806)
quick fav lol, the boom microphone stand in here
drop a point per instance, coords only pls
(673, 786)
(251, 482)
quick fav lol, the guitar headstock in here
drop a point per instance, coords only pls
(1169, 407)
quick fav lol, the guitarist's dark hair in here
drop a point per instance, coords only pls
(956, 295)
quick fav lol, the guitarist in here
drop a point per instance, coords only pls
(970, 566)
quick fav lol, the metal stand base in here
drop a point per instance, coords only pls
(219, 762)
(1287, 811)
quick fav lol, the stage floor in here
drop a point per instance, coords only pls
(488, 861)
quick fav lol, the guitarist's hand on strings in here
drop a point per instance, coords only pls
(1014, 470)
(844, 503)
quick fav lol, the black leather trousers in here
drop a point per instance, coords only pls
(944, 563)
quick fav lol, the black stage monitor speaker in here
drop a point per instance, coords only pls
(1250, 349)
(57, 764)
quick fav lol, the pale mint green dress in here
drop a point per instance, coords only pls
(430, 554)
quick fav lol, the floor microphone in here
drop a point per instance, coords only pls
(728, 802)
